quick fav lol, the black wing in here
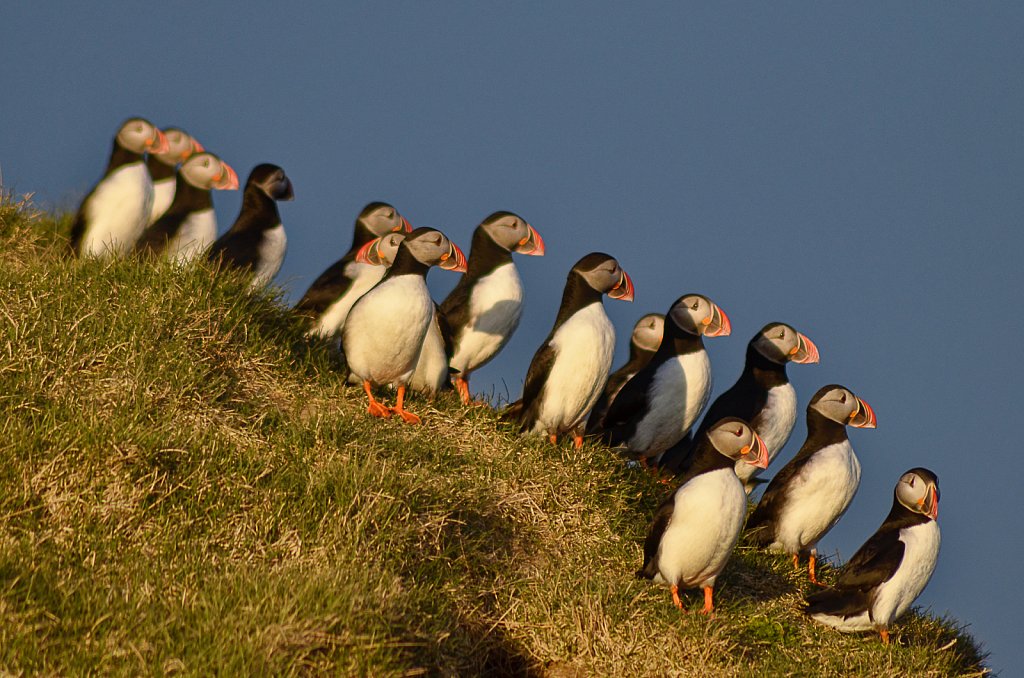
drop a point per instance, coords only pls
(618, 378)
(329, 286)
(653, 541)
(237, 250)
(455, 307)
(627, 408)
(761, 522)
(154, 238)
(525, 410)
(874, 563)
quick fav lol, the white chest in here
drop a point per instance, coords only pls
(817, 497)
(195, 236)
(271, 255)
(773, 424)
(363, 277)
(385, 329)
(583, 348)
(495, 306)
(431, 370)
(163, 196)
(894, 597)
(118, 210)
(705, 525)
(675, 398)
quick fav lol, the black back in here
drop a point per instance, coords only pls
(744, 399)
(159, 170)
(873, 564)
(638, 358)
(239, 247)
(187, 200)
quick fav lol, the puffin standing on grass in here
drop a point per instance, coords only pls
(163, 168)
(657, 407)
(887, 573)
(569, 370)
(695, 530)
(256, 241)
(762, 395)
(189, 225)
(809, 495)
(329, 299)
(643, 343)
(383, 335)
(483, 310)
(114, 213)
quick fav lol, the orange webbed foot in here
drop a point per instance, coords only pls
(675, 599)
(407, 417)
(709, 603)
(378, 410)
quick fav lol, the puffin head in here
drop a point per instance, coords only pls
(839, 404)
(180, 145)
(431, 247)
(603, 274)
(510, 231)
(139, 135)
(380, 218)
(647, 332)
(735, 439)
(696, 314)
(781, 344)
(380, 251)
(272, 181)
(207, 171)
(918, 490)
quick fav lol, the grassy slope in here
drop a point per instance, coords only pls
(185, 485)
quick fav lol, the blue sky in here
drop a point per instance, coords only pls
(854, 170)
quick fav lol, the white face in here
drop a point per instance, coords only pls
(141, 136)
(380, 251)
(735, 439)
(207, 171)
(180, 145)
(648, 331)
(840, 405)
(918, 490)
(513, 233)
(780, 343)
(385, 219)
(696, 314)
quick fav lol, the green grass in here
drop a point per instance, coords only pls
(186, 486)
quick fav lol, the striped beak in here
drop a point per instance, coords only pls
(158, 143)
(805, 351)
(226, 179)
(623, 289)
(756, 454)
(863, 416)
(717, 324)
(454, 260)
(532, 244)
(404, 226)
(370, 254)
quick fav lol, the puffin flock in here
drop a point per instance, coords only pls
(155, 200)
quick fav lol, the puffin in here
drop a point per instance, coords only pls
(696, 528)
(657, 407)
(483, 310)
(189, 225)
(643, 343)
(163, 168)
(384, 332)
(113, 214)
(431, 373)
(762, 395)
(809, 495)
(256, 241)
(887, 573)
(329, 299)
(569, 370)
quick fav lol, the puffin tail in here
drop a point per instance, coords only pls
(513, 414)
(836, 602)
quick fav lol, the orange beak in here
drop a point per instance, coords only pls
(159, 144)
(717, 324)
(404, 226)
(805, 351)
(863, 416)
(370, 253)
(455, 260)
(623, 289)
(532, 244)
(759, 452)
(226, 179)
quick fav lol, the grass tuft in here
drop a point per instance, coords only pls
(187, 486)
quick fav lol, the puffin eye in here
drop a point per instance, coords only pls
(696, 305)
(782, 334)
(843, 398)
(739, 432)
